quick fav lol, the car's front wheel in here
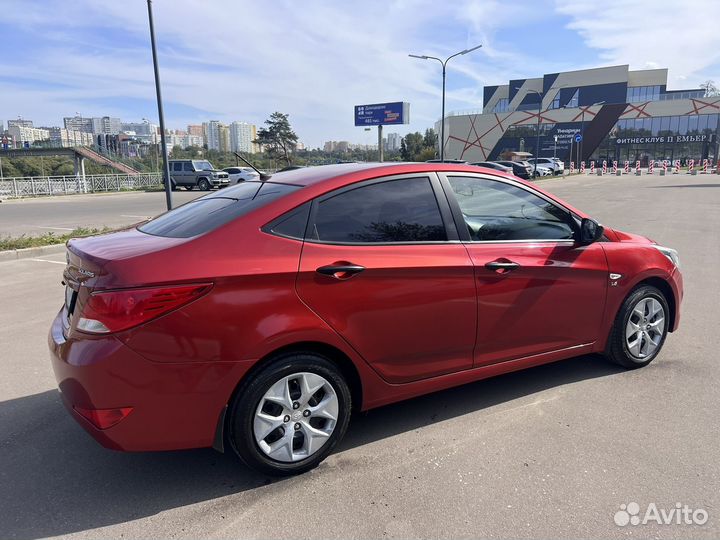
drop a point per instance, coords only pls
(288, 417)
(640, 328)
(203, 184)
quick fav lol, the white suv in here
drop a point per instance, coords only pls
(554, 164)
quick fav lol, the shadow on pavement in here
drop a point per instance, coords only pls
(56, 480)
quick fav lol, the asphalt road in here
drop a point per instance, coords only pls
(63, 214)
(550, 452)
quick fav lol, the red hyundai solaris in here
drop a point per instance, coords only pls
(257, 318)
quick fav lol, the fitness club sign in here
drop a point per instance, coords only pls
(673, 139)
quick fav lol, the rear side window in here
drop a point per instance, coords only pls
(211, 211)
(177, 167)
(403, 210)
(187, 167)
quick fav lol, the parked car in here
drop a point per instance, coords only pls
(241, 174)
(256, 318)
(200, 173)
(555, 165)
(560, 169)
(521, 169)
(541, 171)
(493, 165)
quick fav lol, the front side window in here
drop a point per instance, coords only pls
(497, 211)
(403, 210)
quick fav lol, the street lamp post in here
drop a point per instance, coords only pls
(444, 66)
(163, 143)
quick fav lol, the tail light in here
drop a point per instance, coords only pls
(104, 418)
(113, 311)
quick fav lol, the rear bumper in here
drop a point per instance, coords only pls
(175, 405)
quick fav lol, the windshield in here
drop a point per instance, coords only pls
(215, 209)
(202, 165)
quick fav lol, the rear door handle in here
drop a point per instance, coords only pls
(340, 271)
(500, 266)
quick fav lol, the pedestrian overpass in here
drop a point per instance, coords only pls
(78, 153)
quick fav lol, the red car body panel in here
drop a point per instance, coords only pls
(420, 318)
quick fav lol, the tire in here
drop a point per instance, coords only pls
(286, 448)
(203, 184)
(638, 349)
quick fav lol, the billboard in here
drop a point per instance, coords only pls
(382, 114)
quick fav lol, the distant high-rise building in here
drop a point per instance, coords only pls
(329, 146)
(23, 134)
(224, 132)
(195, 129)
(393, 142)
(20, 122)
(105, 125)
(145, 131)
(78, 123)
(211, 134)
(66, 138)
(242, 136)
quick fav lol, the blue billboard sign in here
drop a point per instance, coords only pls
(383, 114)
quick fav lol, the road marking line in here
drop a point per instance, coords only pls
(56, 228)
(45, 260)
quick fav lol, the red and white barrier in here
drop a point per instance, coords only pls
(691, 165)
(665, 165)
(651, 166)
(677, 166)
(717, 167)
(582, 167)
(637, 167)
(615, 167)
(627, 167)
(604, 169)
(592, 167)
(572, 167)
(705, 166)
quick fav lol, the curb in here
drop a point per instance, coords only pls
(26, 253)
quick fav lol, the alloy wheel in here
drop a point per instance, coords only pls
(296, 417)
(645, 328)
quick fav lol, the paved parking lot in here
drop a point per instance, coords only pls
(549, 452)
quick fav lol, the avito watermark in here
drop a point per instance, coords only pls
(680, 514)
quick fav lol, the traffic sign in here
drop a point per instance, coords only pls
(379, 114)
(578, 137)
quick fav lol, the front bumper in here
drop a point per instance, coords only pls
(175, 405)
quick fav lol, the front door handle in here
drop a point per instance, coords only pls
(340, 271)
(502, 266)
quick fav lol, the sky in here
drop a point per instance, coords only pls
(242, 60)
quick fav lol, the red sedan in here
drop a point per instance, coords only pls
(258, 317)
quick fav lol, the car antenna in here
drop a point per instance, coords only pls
(263, 176)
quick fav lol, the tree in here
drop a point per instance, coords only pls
(710, 89)
(416, 147)
(278, 139)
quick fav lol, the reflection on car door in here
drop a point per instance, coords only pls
(378, 268)
(538, 290)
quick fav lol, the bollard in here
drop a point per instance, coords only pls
(627, 167)
(615, 167)
(604, 167)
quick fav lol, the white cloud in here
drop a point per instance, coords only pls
(681, 36)
(242, 60)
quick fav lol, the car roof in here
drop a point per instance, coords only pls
(325, 173)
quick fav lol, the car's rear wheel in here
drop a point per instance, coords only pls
(640, 328)
(203, 184)
(288, 417)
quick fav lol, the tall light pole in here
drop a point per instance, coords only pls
(166, 165)
(444, 66)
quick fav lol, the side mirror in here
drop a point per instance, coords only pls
(590, 231)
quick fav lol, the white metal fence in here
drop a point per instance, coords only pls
(34, 186)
